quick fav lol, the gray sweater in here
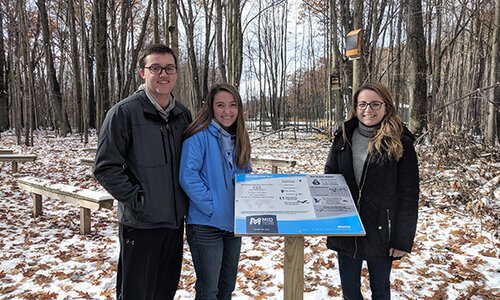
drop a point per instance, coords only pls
(360, 139)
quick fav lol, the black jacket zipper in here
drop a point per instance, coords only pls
(358, 204)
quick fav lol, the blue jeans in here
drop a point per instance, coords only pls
(216, 254)
(350, 277)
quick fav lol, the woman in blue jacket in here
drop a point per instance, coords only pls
(216, 148)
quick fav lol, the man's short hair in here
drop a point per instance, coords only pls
(155, 48)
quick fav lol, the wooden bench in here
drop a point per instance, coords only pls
(274, 162)
(6, 151)
(87, 161)
(90, 149)
(15, 158)
(86, 199)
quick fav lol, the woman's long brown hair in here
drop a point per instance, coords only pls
(388, 138)
(206, 114)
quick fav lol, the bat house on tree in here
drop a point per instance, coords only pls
(353, 44)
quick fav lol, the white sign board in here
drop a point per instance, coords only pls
(295, 204)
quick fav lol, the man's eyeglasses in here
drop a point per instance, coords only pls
(375, 105)
(156, 69)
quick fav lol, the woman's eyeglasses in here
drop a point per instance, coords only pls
(375, 105)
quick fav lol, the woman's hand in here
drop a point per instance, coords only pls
(397, 253)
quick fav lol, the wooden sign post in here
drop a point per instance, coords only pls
(294, 245)
(294, 268)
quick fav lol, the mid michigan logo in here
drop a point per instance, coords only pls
(262, 224)
(262, 221)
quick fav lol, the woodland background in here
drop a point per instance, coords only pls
(64, 63)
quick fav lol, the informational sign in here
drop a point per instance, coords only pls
(295, 204)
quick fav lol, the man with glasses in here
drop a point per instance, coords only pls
(137, 162)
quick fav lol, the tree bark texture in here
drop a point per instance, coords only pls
(417, 86)
(62, 123)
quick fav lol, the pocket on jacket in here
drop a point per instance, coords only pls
(148, 146)
(211, 212)
(384, 226)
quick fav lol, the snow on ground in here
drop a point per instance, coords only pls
(456, 254)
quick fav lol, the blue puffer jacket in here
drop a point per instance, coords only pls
(208, 179)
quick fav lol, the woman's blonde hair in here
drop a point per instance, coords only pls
(206, 114)
(388, 137)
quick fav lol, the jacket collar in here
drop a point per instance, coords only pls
(217, 130)
(149, 108)
(349, 127)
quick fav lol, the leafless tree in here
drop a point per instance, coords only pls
(4, 104)
(62, 123)
(417, 85)
(492, 130)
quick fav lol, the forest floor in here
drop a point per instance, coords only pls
(455, 256)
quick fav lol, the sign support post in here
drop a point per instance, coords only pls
(294, 268)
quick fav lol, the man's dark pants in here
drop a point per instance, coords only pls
(149, 265)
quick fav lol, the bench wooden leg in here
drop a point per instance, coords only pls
(14, 167)
(84, 220)
(274, 169)
(37, 205)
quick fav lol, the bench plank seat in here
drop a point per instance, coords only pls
(6, 151)
(87, 161)
(90, 149)
(86, 199)
(274, 162)
(15, 158)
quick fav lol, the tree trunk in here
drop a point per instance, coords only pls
(188, 19)
(435, 88)
(4, 99)
(346, 65)
(137, 49)
(15, 97)
(335, 112)
(156, 23)
(75, 59)
(101, 61)
(86, 94)
(234, 42)
(209, 38)
(62, 122)
(417, 86)
(398, 85)
(121, 76)
(27, 76)
(357, 65)
(219, 45)
(172, 32)
(492, 129)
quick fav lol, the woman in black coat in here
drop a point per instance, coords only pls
(375, 154)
